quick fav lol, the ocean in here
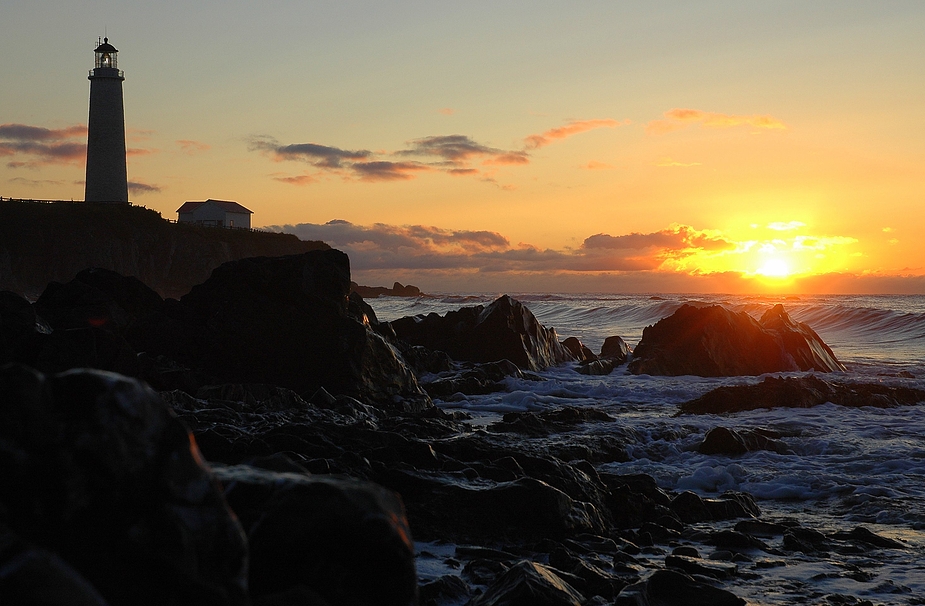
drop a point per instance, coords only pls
(848, 467)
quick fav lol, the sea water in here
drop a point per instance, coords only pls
(849, 466)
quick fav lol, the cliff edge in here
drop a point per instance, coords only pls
(41, 243)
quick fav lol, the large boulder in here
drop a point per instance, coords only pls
(716, 342)
(96, 470)
(285, 321)
(343, 539)
(529, 584)
(505, 329)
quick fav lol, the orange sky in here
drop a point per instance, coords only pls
(513, 146)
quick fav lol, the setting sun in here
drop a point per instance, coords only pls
(775, 268)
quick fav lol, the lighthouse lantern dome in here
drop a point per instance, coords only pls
(106, 55)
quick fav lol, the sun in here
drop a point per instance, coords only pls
(774, 268)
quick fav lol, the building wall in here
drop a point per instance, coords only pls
(238, 220)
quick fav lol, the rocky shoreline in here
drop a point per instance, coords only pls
(288, 451)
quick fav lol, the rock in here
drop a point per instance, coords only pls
(801, 342)
(505, 329)
(693, 566)
(800, 392)
(806, 540)
(578, 350)
(603, 366)
(285, 321)
(866, 537)
(17, 328)
(722, 440)
(97, 470)
(342, 538)
(475, 379)
(442, 590)
(672, 588)
(615, 348)
(397, 290)
(30, 575)
(529, 584)
(715, 342)
(691, 508)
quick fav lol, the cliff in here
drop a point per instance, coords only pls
(41, 243)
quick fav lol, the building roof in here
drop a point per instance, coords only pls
(106, 47)
(225, 205)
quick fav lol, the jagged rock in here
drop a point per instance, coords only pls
(98, 298)
(866, 537)
(397, 290)
(602, 366)
(578, 350)
(691, 508)
(97, 470)
(529, 584)
(722, 440)
(342, 538)
(285, 321)
(800, 392)
(505, 329)
(672, 588)
(474, 379)
(615, 348)
(715, 342)
(693, 566)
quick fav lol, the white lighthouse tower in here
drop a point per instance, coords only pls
(107, 180)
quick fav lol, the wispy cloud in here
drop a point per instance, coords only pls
(786, 225)
(191, 147)
(456, 155)
(572, 128)
(447, 111)
(676, 119)
(35, 146)
(669, 163)
(595, 165)
(137, 188)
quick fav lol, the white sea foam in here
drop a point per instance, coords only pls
(848, 466)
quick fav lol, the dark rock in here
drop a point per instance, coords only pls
(722, 440)
(529, 584)
(345, 539)
(17, 328)
(397, 290)
(505, 329)
(285, 321)
(85, 348)
(691, 508)
(731, 539)
(866, 537)
(476, 379)
(96, 469)
(692, 565)
(715, 342)
(801, 342)
(806, 540)
(757, 528)
(30, 575)
(549, 421)
(672, 588)
(98, 298)
(578, 350)
(615, 348)
(686, 550)
(800, 392)
(447, 588)
(603, 366)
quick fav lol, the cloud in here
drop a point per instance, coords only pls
(572, 128)
(676, 238)
(321, 156)
(454, 149)
(381, 170)
(676, 119)
(138, 188)
(786, 226)
(191, 147)
(38, 146)
(447, 111)
(416, 247)
(595, 165)
(36, 182)
(303, 179)
(139, 151)
(669, 163)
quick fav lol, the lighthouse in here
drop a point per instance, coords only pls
(106, 175)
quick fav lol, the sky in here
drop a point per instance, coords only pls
(710, 146)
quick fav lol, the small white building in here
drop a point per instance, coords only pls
(215, 213)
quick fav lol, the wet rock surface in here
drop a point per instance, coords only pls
(716, 342)
(798, 392)
(505, 329)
